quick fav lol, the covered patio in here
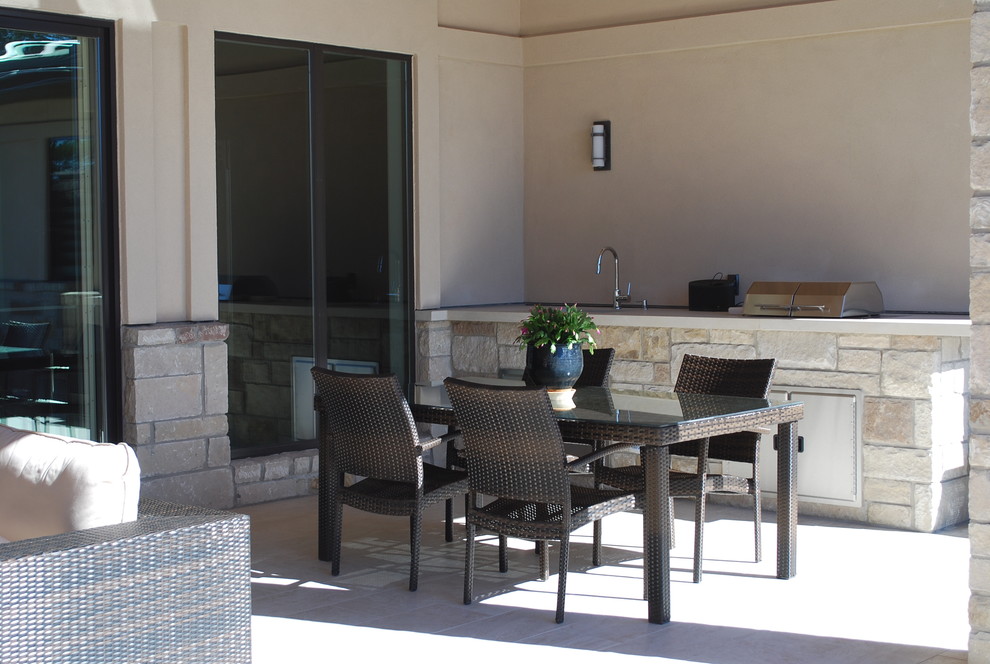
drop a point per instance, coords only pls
(744, 133)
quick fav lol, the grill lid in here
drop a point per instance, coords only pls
(813, 299)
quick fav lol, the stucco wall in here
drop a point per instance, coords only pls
(166, 139)
(823, 142)
(815, 141)
(481, 170)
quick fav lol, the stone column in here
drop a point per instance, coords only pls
(979, 381)
(175, 411)
(433, 339)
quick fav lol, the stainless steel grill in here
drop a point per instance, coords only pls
(813, 299)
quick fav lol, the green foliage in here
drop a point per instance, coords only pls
(557, 326)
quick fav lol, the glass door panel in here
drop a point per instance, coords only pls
(365, 130)
(54, 331)
(263, 162)
(314, 226)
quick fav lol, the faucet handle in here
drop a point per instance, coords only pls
(623, 298)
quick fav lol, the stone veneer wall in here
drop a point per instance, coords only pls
(914, 438)
(263, 341)
(275, 477)
(979, 493)
(175, 416)
(175, 411)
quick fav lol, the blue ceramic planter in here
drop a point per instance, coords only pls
(559, 370)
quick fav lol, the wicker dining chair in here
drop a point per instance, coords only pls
(367, 430)
(597, 366)
(726, 377)
(515, 459)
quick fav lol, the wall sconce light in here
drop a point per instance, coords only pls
(601, 145)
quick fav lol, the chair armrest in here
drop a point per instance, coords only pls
(425, 444)
(174, 585)
(600, 453)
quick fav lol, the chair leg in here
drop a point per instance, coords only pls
(699, 533)
(545, 561)
(336, 527)
(415, 532)
(324, 513)
(670, 509)
(449, 515)
(503, 554)
(757, 519)
(469, 565)
(562, 577)
(596, 551)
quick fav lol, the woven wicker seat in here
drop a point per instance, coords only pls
(173, 586)
(515, 459)
(710, 375)
(367, 430)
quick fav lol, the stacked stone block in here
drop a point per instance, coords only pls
(175, 411)
(262, 344)
(261, 347)
(979, 492)
(286, 475)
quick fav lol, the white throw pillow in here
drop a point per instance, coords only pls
(54, 484)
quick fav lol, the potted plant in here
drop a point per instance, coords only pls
(555, 336)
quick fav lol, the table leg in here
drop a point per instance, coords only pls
(787, 504)
(656, 531)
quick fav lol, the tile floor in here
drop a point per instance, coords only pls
(862, 594)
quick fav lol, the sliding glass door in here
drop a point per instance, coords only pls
(314, 227)
(59, 368)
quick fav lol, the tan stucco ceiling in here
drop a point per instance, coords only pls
(543, 17)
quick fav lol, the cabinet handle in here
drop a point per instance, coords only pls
(800, 443)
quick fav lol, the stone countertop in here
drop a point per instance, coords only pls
(945, 325)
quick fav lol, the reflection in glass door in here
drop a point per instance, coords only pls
(314, 219)
(55, 326)
(366, 211)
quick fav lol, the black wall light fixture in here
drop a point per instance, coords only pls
(601, 145)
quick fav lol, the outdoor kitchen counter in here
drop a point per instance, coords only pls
(885, 397)
(939, 325)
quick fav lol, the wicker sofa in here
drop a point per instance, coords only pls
(171, 585)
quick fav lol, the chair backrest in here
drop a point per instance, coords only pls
(512, 444)
(596, 368)
(728, 377)
(366, 426)
(25, 335)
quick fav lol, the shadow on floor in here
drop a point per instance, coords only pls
(740, 612)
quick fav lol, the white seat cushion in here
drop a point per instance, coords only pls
(54, 484)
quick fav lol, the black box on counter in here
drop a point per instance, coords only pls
(712, 294)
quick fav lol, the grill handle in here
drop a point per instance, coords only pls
(794, 307)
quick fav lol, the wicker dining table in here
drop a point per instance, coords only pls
(654, 421)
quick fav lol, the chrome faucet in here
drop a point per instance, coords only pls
(617, 297)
